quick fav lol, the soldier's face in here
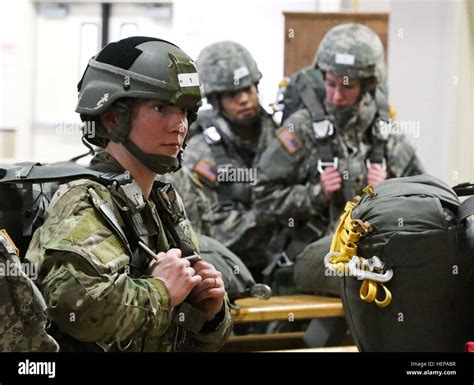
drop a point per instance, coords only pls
(242, 103)
(342, 92)
(158, 128)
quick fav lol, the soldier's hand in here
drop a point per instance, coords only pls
(376, 174)
(208, 295)
(331, 182)
(176, 273)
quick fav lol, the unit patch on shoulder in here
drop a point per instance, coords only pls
(207, 170)
(289, 140)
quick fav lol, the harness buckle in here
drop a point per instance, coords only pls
(374, 265)
(284, 260)
(211, 135)
(323, 129)
(381, 129)
(383, 164)
(322, 165)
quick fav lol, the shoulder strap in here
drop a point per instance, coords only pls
(307, 90)
(464, 189)
(466, 209)
(322, 126)
(379, 127)
(36, 173)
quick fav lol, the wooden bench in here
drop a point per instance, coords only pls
(282, 308)
(332, 349)
(286, 308)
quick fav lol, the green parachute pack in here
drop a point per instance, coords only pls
(403, 253)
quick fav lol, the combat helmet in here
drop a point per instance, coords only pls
(137, 67)
(226, 66)
(352, 50)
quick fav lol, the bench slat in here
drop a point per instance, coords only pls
(282, 308)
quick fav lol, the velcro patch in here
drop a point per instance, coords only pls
(207, 170)
(345, 58)
(289, 140)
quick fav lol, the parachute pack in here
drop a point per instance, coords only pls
(404, 254)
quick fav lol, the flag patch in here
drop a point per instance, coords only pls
(206, 169)
(289, 140)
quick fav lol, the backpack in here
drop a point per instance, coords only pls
(23, 321)
(238, 280)
(26, 190)
(403, 253)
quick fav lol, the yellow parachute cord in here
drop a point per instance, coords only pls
(344, 242)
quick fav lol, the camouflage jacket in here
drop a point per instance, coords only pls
(288, 189)
(84, 273)
(224, 166)
(22, 307)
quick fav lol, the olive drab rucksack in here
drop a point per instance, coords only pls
(403, 254)
(25, 192)
(22, 307)
(238, 280)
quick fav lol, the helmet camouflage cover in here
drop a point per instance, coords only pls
(138, 67)
(352, 50)
(226, 66)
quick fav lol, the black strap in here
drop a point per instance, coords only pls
(383, 108)
(226, 191)
(464, 189)
(36, 173)
(318, 114)
(310, 98)
(378, 152)
(466, 209)
(172, 224)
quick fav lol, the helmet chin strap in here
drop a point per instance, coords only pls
(159, 164)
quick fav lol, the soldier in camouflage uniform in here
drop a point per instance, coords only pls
(22, 307)
(101, 289)
(323, 157)
(226, 143)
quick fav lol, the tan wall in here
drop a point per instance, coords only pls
(7, 144)
(462, 152)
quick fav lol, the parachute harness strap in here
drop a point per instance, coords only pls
(343, 258)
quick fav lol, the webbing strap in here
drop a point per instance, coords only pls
(36, 173)
(466, 209)
(310, 99)
(377, 154)
(226, 192)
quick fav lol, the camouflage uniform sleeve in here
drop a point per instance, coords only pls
(82, 277)
(402, 160)
(288, 184)
(214, 334)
